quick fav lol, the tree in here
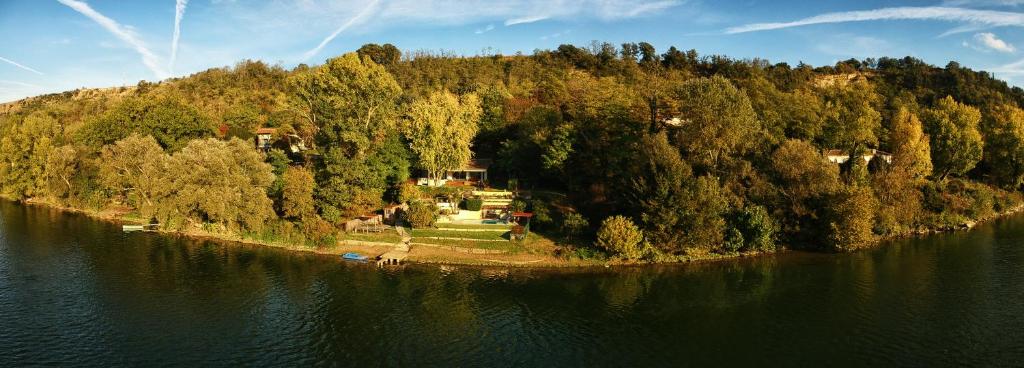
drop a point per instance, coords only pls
(756, 228)
(911, 149)
(352, 103)
(573, 224)
(851, 119)
(167, 119)
(61, 165)
(850, 219)
(1004, 145)
(618, 235)
(421, 214)
(956, 143)
(803, 175)
(297, 193)
(718, 120)
(136, 167)
(221, 182)
(441, 128)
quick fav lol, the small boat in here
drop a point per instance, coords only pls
(354, 257)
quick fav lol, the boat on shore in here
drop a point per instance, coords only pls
(351, 256)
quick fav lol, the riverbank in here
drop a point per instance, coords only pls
(439, 255)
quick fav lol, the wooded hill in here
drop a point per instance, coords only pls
(681, 153)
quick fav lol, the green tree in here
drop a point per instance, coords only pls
(618, 235)
(136, 168)
(573, 224)
(421, 214)
(851, 119)
(956, 143)
(352, 103)
(297, 193)
(911, 149)
(441, 128)
(61, 166)
(718, 120)
(1004, 145)
(851, 219)
(221, 182)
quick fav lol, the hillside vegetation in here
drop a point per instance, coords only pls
(658, 155)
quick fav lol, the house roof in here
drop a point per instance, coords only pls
(266, 130)
(870, 152)
(476, 165)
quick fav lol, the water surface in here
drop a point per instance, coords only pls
(75, 291)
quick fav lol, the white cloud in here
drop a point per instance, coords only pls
(490, 27)
(9, 61)
(983, 2)
(991, 42)
(526, 19)
(359, 17)
(179, 13)
(149, 59)
(978, 17)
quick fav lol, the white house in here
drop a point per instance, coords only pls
(841, 156)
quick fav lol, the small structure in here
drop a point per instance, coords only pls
(837, 156)
(265, 138)
(392, 258)
(473, 173)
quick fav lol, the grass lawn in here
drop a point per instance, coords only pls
(510, 247)
(481, 235)
(383, 237)
(474, 226)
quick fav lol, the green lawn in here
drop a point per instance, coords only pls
(510, 247)
(481, 235)
(384, 237)
(474, 226)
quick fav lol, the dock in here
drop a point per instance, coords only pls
(392, 258)
(147, 227)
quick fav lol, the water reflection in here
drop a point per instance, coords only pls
(79, 292)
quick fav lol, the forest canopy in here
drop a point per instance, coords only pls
(658, 154)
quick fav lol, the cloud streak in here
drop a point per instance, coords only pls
(359, 17)
(149, 59)
(12, 62)
(179, 12)
(490, 27)
(990, 18)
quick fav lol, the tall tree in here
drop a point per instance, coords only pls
(1004, 145)
(956, 143)
(353, 102)
(718, 120)
(910, 147)
(441, 128)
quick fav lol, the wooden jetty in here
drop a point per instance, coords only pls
(147, 227)
(391, 258)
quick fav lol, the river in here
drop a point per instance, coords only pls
(77, 291)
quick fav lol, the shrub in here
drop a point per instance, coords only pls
(474, 204)
(421, 214)
(618, 235)
(517, 206)
(573, 224)
(756, 229)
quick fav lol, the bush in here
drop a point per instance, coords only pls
(473, 204)
(573, 224)
(517, 206)
(421, 214)
(618, 235)
(755, 230)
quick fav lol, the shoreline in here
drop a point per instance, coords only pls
(446, 258)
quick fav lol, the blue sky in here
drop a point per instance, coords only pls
(57, 45)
